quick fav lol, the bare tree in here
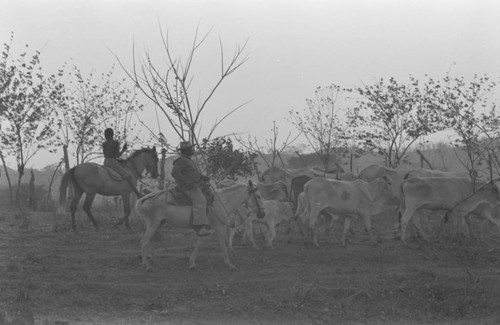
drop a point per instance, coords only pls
(272, 146)
(169, 89)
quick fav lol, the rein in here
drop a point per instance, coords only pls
(252, 191)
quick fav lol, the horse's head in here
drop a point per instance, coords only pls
(151, 161)
(255, 202)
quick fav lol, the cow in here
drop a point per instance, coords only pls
(395, 176)
(275, 213)
(325, 219)
(483, 203)
(424, 172)
(273, 191)
(347, 199)
(421, 194)
(288, 176)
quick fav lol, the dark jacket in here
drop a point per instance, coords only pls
(111, 149)
(185, 173)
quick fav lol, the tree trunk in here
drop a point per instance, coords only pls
(20, 174)
(66, 157)
(49, 193)
(8, 179)
(31, 193)
(67, 167)
(422, 159)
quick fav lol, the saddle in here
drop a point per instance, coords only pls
(112, 173)
(179, 197)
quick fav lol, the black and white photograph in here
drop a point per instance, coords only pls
(249, 162)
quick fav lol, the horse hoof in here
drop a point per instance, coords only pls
(192, 267)
(232, 267)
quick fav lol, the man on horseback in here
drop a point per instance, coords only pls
(111, 150)
(189, 180)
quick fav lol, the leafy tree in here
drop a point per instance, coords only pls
(27, 100)
(467, 109)
(223, 161)
(92, 104)
(323, 124)
(390, 117)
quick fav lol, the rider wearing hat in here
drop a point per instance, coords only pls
(189, 180)
(111, 151)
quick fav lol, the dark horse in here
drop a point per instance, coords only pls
(92, 179)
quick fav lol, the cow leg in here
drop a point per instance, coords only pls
(271, 227)
(405, 218)
(292, 228)
(368, 225)
(417, 223)
(232, 232)
(249, 232)
(314, 224)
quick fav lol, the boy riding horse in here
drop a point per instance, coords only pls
(111, 151)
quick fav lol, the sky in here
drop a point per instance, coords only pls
(293, 46)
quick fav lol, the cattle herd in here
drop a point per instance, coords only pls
(309, 200)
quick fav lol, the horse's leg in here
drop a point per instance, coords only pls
(152, 225)
(126, 211)
(220, 230)
(232, 232)
(194, 253)
(74, 204)
(89, 198)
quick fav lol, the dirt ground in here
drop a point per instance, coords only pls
(60, 277)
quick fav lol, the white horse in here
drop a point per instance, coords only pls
(155, 211)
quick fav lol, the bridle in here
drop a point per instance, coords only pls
(251, 191)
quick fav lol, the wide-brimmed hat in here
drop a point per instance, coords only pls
(185, 145)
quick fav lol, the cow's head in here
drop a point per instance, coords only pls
(387, 190)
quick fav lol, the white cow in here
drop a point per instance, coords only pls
(421, 194)
(483, 203)
(276, 212)
(326, 221)
(347, 199)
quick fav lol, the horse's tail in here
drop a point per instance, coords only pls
(68, 177)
